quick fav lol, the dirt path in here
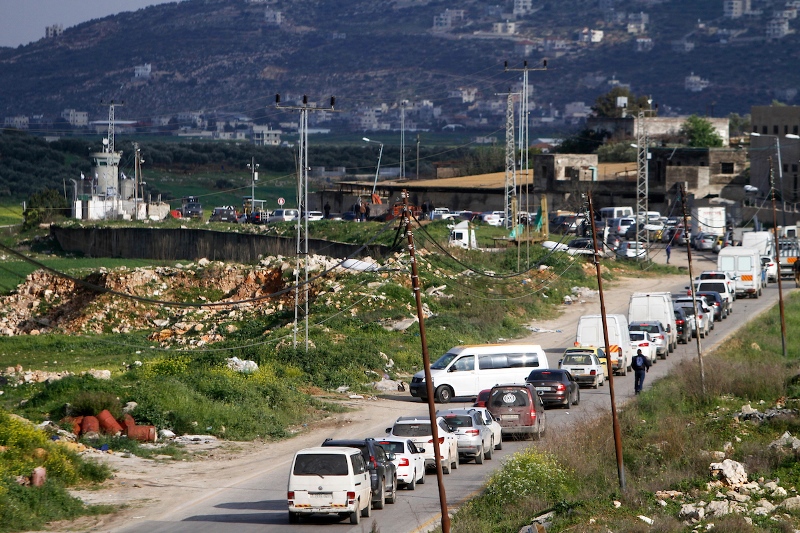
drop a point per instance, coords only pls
(162, 485)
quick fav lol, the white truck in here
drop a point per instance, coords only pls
(708, 220)
(462, 236)
(762, 241)
(651, 306)
(743, 265)
(590, 333)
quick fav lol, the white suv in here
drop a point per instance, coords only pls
(418, 429)
(283, 215)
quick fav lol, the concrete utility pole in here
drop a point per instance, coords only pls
(302, 209)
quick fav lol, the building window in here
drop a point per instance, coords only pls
(794, 129)
(775, 129)
(726, 168)
(785, 129)
(763, 130)
(785, 168)
(794, 167)
(703, 164)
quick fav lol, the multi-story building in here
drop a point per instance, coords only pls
(504, 28)
(51, 32)
(142, 72)
(694, 83)
(448, 19)
(266, 136)
(769, 144)
(777, 28)
(19, 122)
(523, 7)
(78, 119)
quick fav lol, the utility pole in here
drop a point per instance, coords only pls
(778, 255)
(417, 155)
(403, 139)
(253, 166)
(511, 172)
(302, 208)
(642, 185)
(694, 292)
(609, 368)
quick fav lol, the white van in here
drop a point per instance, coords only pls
(644, 307)
(762, 241)
(615, 212)
(743, 265)
(464, 371)
(590, 333)
(329, 480)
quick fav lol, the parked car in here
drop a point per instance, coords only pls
(493, 218)
(382, 471)
(771, 268)
(555, 387)
(585, 367)
(581, 246)
(326, 480)
(658, 334)
(408, 460)
(418, 429)
(475, 437)
(705, 241)
(641, 340)
(518, 409)
(620, 225)
(313, 216)
(632, 250)
(717, 303)
(258, 217)
(223, 214)
(283, 215)
(494, 425)
(682, 326)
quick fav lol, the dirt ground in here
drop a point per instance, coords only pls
(163, 484)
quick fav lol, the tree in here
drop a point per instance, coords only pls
(699, 132)
(584, 142)
(606, 105)
(44, 206)
(738, 124)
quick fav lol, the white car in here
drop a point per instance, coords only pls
(494, 425)
(771, 267)
(720, 275)
(641, 340)
(313, 215)
(283, 215)
(632, 250)
(418, 429)
(585, 367)
(493, 218)
(408, 458)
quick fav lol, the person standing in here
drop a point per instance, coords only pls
(668, 250)
(640, 366)
(327, 209)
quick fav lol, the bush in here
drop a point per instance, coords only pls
(91, 403)
(529, 472)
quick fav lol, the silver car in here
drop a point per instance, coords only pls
(475, 437)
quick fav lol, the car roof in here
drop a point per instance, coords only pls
(329, 450)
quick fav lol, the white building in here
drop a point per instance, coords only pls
(504, 28)
(78, 119)
(777, 28)
(51, 32)
(734, 9)
(644, 44)
(448, 19)
(694, 83)
(19, 122)
(465, 94)
(523, 7)
(266, 136)
(272, 16)
(142, 72)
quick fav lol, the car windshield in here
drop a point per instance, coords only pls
(320, 464)
(391, 447)
(458, 421)
(544, 375)
(422, 429)
(508, 398)
(645, 327)
(638, 335)
(577, 359)
(443, 361)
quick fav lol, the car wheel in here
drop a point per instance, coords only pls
(444, 394)
(479, 456)
(377, 503)
(577, 397)
(499, 445)
(595, 384)
(488, 453)
(392, 497)
(413, 484)
(366, 512)
(603, 381)
(355, 517)
(445, 467)
(537, 435)
(294, 517)
(422, 478)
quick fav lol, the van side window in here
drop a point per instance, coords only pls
(464, 364)
(358, 464)
(523, 360)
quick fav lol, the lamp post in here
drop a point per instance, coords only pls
(378, 169)
(253, 166)
(780, 166)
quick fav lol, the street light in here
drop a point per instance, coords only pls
(378, 169)
(253, 166)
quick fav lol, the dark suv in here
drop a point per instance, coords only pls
(519, 409)
(682, 325)
(382, 470)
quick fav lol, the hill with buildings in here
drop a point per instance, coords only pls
(215, 65)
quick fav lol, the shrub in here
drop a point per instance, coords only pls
(91, 403)
(529, 472)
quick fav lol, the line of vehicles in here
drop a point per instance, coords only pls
(512, 384)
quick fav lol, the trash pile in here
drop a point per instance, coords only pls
(105, 423)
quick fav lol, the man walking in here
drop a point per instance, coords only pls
(668, 250)
(640, 366)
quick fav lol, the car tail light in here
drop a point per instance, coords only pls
(404, 462)
(533, 413)
(561, 387)
(472, 432)
(290, 495)
(351, 497)
(660, 336)
(593, 372)
(373, 461)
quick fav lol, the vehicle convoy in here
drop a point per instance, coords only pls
(408, 459)
(518, 409)
(743, 265)
(585, 367)
(475, 437)
(654, 306)
(382, 471)
(329, 480)
(418, 429)
(464, 371)
(590, 333)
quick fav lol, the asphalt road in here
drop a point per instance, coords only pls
(258, 501)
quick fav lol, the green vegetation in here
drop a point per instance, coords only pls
(667, 434)
(700, 133)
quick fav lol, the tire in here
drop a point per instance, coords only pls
(443, 394)
(413, 484)
(499, 445)
(577, 398)
(488, 453)
(445, 469)
(422, 479)
(595, 384)
(392, 497)
(355, 517)
(366, 512)
(603, 381)
(479, 457)
(378, 502)
(537, 435)
(455, 463)
(294, 517)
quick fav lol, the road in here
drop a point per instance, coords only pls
(256, 500)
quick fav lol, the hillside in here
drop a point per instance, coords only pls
(230, 56)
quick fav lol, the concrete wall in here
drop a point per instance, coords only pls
(193, 244)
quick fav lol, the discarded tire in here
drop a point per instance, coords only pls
(142, 433)
(108, 424)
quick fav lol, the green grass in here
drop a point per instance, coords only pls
(748, 368)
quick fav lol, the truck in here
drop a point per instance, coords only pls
(590, 333)
(761, 241)
(462, 236)
(708, 220)
(191, 207)
(788, 251)
(652, 306)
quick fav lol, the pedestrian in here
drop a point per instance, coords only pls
(327, 209)
(669, 250)
(362, 212)
(368, 211)
(640, 366)
(796, 268)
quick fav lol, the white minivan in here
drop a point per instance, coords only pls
(743, 265)
(464, 371)
(590, 333)
(329, 480)
(644, 307)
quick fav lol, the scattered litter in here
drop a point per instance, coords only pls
(356, 397)
(542, 330)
